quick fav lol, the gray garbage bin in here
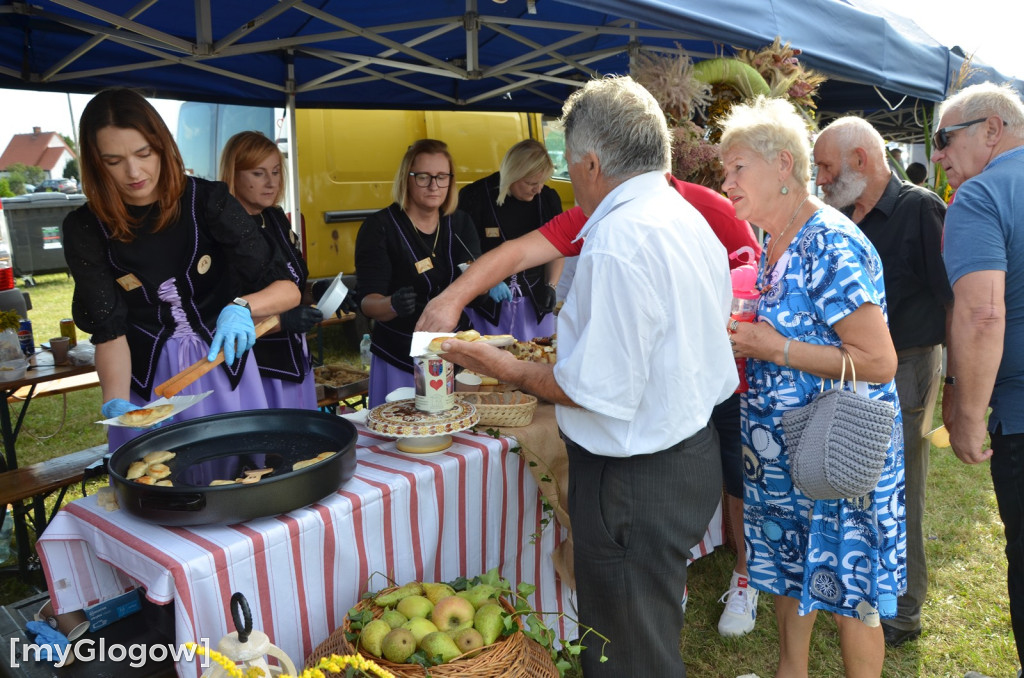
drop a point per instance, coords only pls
(33, 223)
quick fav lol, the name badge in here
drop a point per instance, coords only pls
(129, 282)
(492, 233)
(424, 265)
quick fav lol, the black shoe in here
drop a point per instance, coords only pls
(895, 637)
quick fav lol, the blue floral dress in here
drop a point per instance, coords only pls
(847, 555)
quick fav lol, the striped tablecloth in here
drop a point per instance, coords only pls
(435, 517)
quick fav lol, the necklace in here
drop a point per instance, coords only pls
(771, 247)
(437, 234)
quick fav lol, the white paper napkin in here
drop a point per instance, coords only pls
(180, 402)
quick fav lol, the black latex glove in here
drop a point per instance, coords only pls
(403, 301)
(300, 319)
(349, 304)
(546, 299)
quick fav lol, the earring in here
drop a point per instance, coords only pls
(784, 190)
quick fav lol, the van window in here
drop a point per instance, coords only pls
(554, 140)
(203, 129)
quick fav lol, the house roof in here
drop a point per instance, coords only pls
(40, 149)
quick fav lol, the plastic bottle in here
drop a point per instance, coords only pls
(744, 305)
(5, 534)
(364, 352)
(6, 268)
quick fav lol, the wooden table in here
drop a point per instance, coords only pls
(42, 378)
(423, 517)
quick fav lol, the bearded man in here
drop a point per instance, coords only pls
(904, 223)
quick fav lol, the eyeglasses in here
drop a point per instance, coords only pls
(423, 179)
(942, 136)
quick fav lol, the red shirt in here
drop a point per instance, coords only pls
(715, 208)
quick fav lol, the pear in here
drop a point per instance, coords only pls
(415, 606)
(489, 622)
(468, 640)
(479, 594)
(419, 627)
(394, 618)
(371, 637)
(452, 612)
(436, 592)
(398, 645)
(440, 644)
(391, 598)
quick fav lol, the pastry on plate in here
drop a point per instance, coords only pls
(146, 416)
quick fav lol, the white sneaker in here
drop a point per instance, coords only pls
(740, 608)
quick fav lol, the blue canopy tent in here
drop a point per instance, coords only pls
(512, 55)
(479, 54)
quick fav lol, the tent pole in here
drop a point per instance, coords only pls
(293, 157)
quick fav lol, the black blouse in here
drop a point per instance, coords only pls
(497, 223)
(210, 255)
(283, 355)
(387, 249)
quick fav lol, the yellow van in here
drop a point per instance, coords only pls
(347, 161)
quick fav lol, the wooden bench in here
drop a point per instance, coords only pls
(34, 483)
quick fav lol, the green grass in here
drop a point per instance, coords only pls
(966, 619)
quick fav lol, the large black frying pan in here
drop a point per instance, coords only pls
(224, 446)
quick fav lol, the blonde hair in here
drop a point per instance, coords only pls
(769, 126)
(245, 151)
(523, 160)
(986, 99)
(400, 188)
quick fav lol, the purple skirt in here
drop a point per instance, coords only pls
(385, 378)
(290, 395)
(517, 318)
(180, 352)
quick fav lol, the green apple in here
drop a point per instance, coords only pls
(440, 644)
(489, 621)
(479, 594)
(419, 627)
(468, 640)
(452, 612)
(391, 598)
(371, 637)
(415, 606)
(394, 618)
(398, 645)
(436, 592)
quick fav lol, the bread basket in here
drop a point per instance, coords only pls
(511, 408)
(512, 656)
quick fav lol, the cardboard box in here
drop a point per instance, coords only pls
(109, 611)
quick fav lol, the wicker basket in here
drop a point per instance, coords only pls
(512, 408)
(515, 656)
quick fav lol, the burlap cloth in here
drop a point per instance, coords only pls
(540, 443)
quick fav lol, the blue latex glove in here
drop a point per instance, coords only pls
(500, 293)
(116, 407)
(52, 643)
(235, 333)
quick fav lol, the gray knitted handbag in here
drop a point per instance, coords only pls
(838, 443)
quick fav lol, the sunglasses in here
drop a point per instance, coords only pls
(942, 136)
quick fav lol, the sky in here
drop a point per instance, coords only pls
(982, 27)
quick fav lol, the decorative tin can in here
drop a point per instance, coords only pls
(435, 383)
(67, 329)
(28, 342)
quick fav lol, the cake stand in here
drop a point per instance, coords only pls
(421, 432)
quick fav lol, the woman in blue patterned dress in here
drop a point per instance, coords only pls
(821, 293)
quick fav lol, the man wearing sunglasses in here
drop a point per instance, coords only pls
(980, 144)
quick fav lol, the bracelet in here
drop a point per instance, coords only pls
(785, 352)
(552, 286)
